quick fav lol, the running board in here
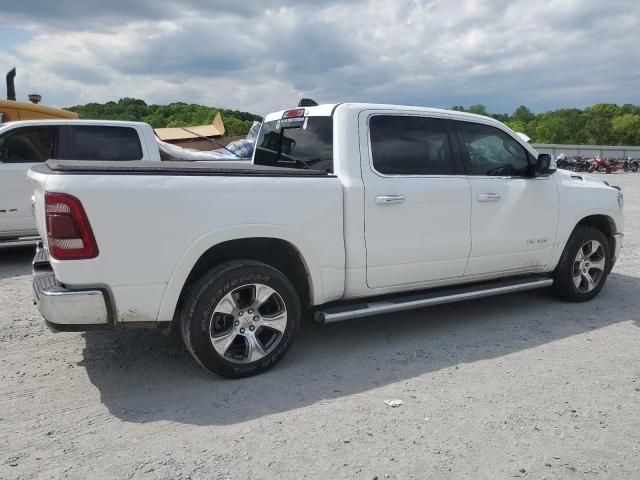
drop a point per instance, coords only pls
(408, 302)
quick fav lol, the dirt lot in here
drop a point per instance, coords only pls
(515, 386)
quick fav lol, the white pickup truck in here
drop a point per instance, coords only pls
(347, 210)
(24, 144)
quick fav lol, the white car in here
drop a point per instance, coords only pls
(24, 144)
(382, 208)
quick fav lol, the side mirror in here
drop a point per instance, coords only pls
(545, 165)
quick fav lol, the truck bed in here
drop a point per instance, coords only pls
(70, 167)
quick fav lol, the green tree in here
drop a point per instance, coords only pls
(516, 126)
(626, 129)
(177, 114)
(478, 109)
(523, 114)
(599, 130)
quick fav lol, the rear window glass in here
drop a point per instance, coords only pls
(408, 145)
(307, 145)
(103, 143)
(29, 145)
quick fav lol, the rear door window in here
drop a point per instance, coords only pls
(102, 143)
(410, 145)
(29, 144)
(307, 144)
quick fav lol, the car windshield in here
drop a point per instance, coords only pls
(308, 144)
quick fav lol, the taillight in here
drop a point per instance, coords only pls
(297, 113)
(69, 233)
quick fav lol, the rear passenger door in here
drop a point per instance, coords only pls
(100, 142)
(417, 201)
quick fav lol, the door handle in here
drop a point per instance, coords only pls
(489, 197)
(389, 199)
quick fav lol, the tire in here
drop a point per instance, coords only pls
(571, 277)
(240, 318)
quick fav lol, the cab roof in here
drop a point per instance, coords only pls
(326, 110)
(63, 121)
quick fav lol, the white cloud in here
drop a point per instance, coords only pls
(426, 52)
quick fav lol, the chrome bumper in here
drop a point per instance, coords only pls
(63, 308)
(617, 238)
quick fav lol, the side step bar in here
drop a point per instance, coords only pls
(408, 302)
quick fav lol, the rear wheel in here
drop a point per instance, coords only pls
(240, 318)
(584, 265)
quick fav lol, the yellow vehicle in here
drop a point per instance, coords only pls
(11, 110)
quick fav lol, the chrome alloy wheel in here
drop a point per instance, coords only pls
(248, 323)
(589, 266)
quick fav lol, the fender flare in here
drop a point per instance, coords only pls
(564, 234)
(200, 246)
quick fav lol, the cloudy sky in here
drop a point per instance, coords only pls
(261, 56)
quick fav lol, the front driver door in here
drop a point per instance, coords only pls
(514, 215)
(417, 201)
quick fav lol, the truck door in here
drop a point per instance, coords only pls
(417, 201)
(514, 216)
(21, 148)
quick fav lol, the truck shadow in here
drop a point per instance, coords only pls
(15, 261)
(144, 376)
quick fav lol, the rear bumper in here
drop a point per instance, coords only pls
(65, 309)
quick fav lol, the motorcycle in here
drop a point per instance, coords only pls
(581, 164)
(563, 162)
(631, 165)
(601, 165)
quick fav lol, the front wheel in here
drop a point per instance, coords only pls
(584, 265)
(240, 318)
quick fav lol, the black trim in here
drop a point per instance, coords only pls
(171, 168)
(454, 142)
(58, 328)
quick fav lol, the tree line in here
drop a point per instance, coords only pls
(600, 124)
(177, 114)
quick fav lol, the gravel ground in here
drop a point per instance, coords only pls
(521, 385)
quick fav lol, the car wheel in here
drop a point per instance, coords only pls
(240, 318)
(584, 265)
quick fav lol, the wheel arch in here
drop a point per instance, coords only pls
(603, 221)
(273, 250)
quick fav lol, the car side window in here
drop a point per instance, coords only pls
(491, 152)
(103, 143)
(410, 145)
(29, 144)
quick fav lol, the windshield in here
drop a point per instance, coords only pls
(308, 144)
